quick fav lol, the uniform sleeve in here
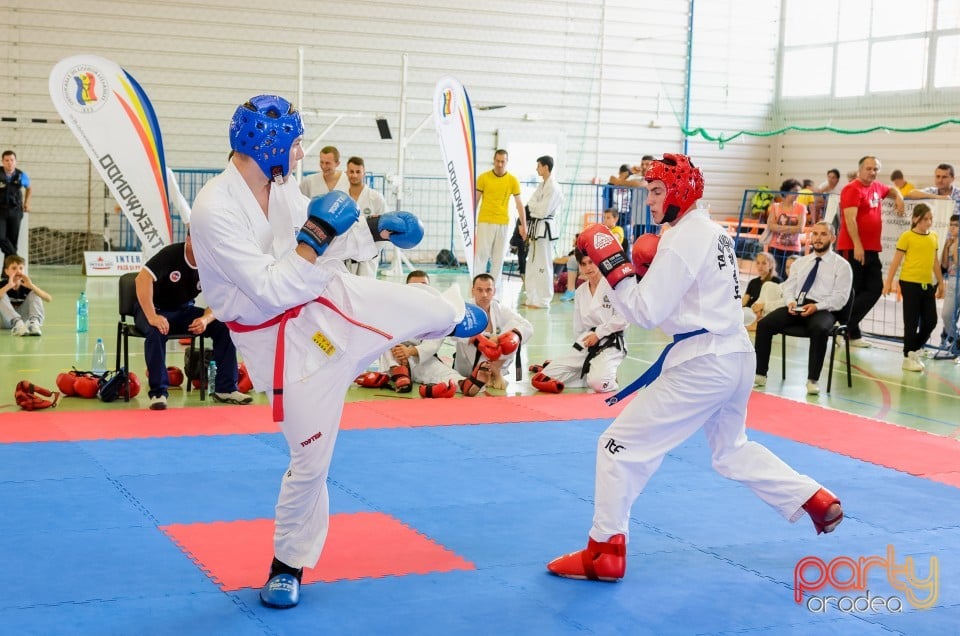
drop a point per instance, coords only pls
(517, 322)
(481, 181)
(232, 254)
(428, 348)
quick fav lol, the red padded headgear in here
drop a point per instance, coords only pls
(133, 390)
(684, 183)
(30, 397)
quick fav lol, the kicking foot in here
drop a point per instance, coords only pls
(600, 561)
(824, 510)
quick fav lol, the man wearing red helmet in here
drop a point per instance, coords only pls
(692, 292)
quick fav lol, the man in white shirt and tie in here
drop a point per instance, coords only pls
(818, 287)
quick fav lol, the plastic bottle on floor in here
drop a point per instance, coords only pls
(83, 309)
(99, 366)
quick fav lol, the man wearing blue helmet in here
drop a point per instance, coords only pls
(271, 266)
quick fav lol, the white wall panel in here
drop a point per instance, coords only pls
(591, 70)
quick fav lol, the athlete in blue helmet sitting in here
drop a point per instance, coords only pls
(271, 267)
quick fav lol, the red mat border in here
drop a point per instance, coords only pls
(914, 452)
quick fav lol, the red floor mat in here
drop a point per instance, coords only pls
(914, 452)
(236, 554)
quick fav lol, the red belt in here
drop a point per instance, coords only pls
(278, 357)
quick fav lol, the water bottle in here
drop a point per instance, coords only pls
(99, 358)
(82, 309)
(212, 377)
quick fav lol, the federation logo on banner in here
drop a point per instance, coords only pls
(453, 119)
(84, 89)
(114, 121)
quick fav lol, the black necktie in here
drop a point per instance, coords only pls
(807, 284)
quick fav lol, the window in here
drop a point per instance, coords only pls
(853, 48)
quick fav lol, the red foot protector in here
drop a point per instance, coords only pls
(237, 554)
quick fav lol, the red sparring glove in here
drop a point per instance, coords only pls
(546, 384)
(604, 250)
(509, 341)
(644, 249)
(487, 347)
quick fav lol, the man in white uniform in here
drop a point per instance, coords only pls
(272, 269)
(329, 178)
(498, 344)
(371, 204)
(599, 347)
(543, 205)
(692, 291)
(417, 360)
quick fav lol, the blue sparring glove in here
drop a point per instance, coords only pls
(405, 229)
(474, 322)
(328, 216)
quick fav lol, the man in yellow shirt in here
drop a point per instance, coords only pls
(494, 190)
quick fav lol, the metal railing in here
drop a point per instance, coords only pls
(429, 199)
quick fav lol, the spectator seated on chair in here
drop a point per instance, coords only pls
(596, 354)
(167, 286)
(499, 343)
(766, 278)
(816, 292)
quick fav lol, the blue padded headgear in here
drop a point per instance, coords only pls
(264, 128)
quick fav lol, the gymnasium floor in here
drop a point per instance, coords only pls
(120, 520)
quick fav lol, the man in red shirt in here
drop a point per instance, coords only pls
(859, 241)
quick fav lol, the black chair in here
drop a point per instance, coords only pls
(126, 330)
(839, 330)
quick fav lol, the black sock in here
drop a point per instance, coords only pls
(279, 567)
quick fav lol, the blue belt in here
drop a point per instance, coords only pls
(653, 372)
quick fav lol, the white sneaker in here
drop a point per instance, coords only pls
(18, 329)
(158, 403)
(232, 398)
(759, 380)
(813, 388)
(33, 327)
(912, 362)
(860, 343)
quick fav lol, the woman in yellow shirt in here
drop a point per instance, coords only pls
(921, 283)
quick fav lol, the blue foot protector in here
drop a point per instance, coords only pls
(474, 322)
(282, 592)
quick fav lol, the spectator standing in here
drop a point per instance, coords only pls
(371, 204)
(329, 178)
(861, 225)
(495, 189)
(786, 221)
(948, 267)
(901, 184)
(944, 189)
(921, 283)
(544, 204)
(15, 194)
